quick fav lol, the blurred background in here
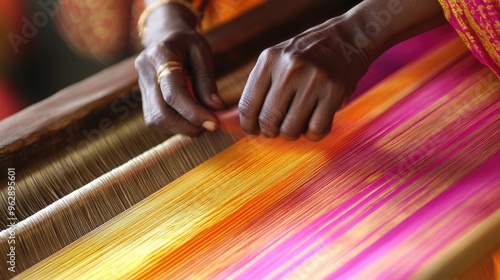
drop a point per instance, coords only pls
(35, 60)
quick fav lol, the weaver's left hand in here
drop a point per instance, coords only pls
(174, 49)
(297, 86)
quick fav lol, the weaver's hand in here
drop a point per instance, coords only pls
(297, 86)
(175, 50)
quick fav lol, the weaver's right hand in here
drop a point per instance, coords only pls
(170, 104)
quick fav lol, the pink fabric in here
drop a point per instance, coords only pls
(478, 23)
(402, 54)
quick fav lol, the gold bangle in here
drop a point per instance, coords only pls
(141, 23)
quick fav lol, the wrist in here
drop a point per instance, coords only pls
(374, 26)
(165, 19)
(368, 27)
(346, 41)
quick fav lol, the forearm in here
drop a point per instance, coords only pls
(376, 25)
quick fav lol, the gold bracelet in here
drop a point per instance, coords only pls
(141, 23)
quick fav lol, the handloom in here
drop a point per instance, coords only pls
(88, 129)
(405, 186)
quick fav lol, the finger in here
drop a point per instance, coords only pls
(321, 120)
(176, 94)
(204, 83)
(182, 102)
(157, 114)
(274, 109)
(298, 116)
(252, 99)
(165, 119)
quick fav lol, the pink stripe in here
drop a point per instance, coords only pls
(489, 116)
(486, 176)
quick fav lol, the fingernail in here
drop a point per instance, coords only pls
(209, 125)
(252, 136)
(216, 99)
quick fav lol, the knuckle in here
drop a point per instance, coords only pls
(297, 63)
(291, 130)
(169, 96)
(269, 54)
(140, 61)
(246, 108)
(266, 53)
(269, 119)
(156, 120)
(247, 121)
